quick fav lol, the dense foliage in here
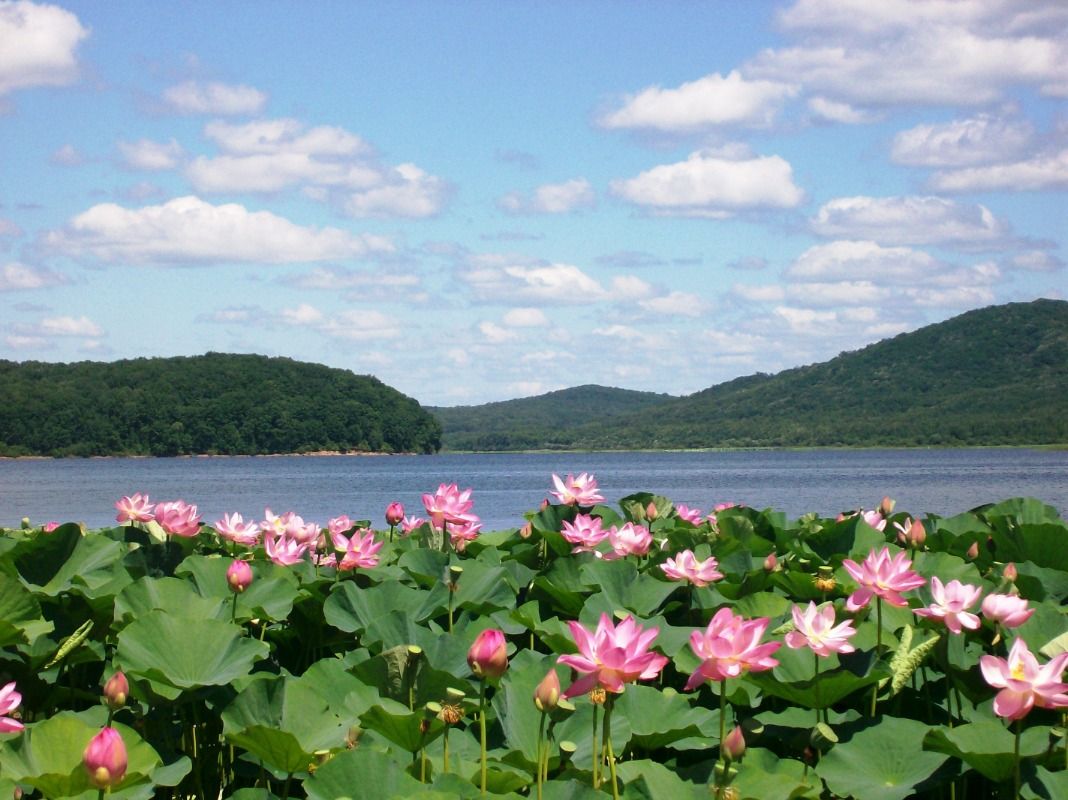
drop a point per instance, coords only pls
(995, 376)
(216, 403)
(319, 683)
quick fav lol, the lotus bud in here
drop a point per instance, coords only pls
(733, 747)
(1009, 573)
(488, 656)
(116, 690)
(394, 514)
(17, 794)
(105, 759)
(886, 507)
(526, 531)
(771, 563)
(239, 575)
(651, 512)
(916, 535)
(544, 504)
(547, 694)
(973, 551)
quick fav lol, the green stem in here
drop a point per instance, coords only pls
(445, 757)
(878, 647)
(1016, 761)
(233, 609)
(607, 728)
(541, 755)
(482, 728)
(722, 712)
(285, 790)
(816, 684)
(594, 753)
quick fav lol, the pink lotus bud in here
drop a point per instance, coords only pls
(105, 759)
(771, 563)
(488, 656)
(733, 746)
(239, 575)
(48, 527)
(886, 507)
(547, 694)
(544, 504)
(1009, 573)
(116, 690)
(526, 531)
(973, 551)
(650, 511)
(394, 514)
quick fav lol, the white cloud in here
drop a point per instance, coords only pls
(1043, 172)
(711, 186)
(303, 314)
(378, 284)
(221, 99)
(189, 230)
(836, 294)
(37, 45)
(734, 343)
(150, 156)
(67, 156)
(770, 293)
(361, 325)
(526, 318)
(15, 276)
(279, 136)
(495, 334)
(909, 220)
(23, 342)
(962, 143)
(406, 192)
(551, 198)
(70, 326)
(556, 283)
(856, 260)
(675, 304)
(1036, 261)
(630, 287)
(833, 111)
(707, 102)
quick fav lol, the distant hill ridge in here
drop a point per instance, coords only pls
(215, 403)
(993, 376)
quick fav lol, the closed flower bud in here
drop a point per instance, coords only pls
(116, 690)
(547, 693)
(488, 656)
(886, 507)
(973, 551)
(771, 563)
(650, 512)
(105, 759)
(394, 513)
(239, 576)
(733, 747)
(1009, 573)
(526, 531)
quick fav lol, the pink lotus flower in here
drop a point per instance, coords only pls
(725, 506)
(686, 567)
(585, 532)
(178, 518)
(284, 550)
(951, 604)
(691, 515)
(409, 524)
(105, 759)
(882, 576)
(814, 628)
(629, 540)
(340, 524)
(239, 576)
(449, 504)
(1023, 683)
(290, 525)
(911, 533)
(234, 528)
(488, 656)
(49, 527)
(9, 701)
(874, 519)
(394, 513)
(580, 491)
(134, 509)
(730, 647)
(611, 656)
(1006, 609)
(460, 535)
(359, 551)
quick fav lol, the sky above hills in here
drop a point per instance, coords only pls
(475, 201)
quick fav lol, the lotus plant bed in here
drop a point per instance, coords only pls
(641, 650)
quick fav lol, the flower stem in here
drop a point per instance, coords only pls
(595, 754)
(482, 728)
(816, 684)
(607, 729)
(878, 647)
(541, 756)
(722, 712)
(445, 756)
(1016, 761)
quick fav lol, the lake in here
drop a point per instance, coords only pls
(507, 485)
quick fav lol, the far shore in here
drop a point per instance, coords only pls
(316, 453)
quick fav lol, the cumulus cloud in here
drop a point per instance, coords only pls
(37, 45)
(219, 99)
(526, 318)
(551, 283)
(376, 285)
(551, 198)
(1036, 261)
(151, 156)
(15, 277)
(188, 230)
(406, 191)
(865, 260)
(70, 326)
(708, 185)
(768, 293)
(361, 325)
(675, 304)
(833, 111)
(909, 220)
(495, 334)
(25, 342)
(962, 143)
(1042, 172)
(704, 103)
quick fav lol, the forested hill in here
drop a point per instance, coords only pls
(994, 376)
(216, 403)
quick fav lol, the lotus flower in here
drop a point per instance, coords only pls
(691, 515)
(9, 701)
(547, 693)
(882, 576)
(1023, 683)
(874, 519)
(449, 504)
(611, 656)
(911, 533)
(394, 513)
(340, 524)
(580, 491)
(134, 509)
(1006, 609)
(178, 518)
(461, 534)
(284, 550)
(239, 575)
(105, 759)
(814, 628)
(49, 527)
(409, 524)
(234, 528)
(629, 540)
(585, 532)
(488, 656)
(686, 567)
(951, 604)
(359, 551)
(730, 647)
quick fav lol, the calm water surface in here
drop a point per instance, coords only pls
(506, 485)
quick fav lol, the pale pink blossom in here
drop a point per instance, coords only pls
(340, 524)
(1023, 683)
(911, 533)
(1008, 609)
(691, 515)
(234, 528)
(611, 656)
(358, 551)
(725, 506)
(882, 576)
(730, 646)
(585, 532)
(814, 628)
(951, 604)
(686, 567)
(9, 701)
(874, 519)
(461, 534)
(409, 524)
(284, 550)
(449, 504)
(577, 491)
(628, 540)
(178, 518)
(49, 527)
(134, 509)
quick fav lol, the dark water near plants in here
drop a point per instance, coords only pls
(506, 485)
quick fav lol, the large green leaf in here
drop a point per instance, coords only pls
(795, 678)
(20, 614)
(352, 609)
(648, 780)
(986, 746)
(351, 775)
(94, 569)
(514, 706)
(624, 588)
(172, 595)
(270, 595)
(665, 719)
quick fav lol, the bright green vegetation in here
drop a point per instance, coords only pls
(995, 376)
(216, 403)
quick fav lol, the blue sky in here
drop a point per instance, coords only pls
(476, 201)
